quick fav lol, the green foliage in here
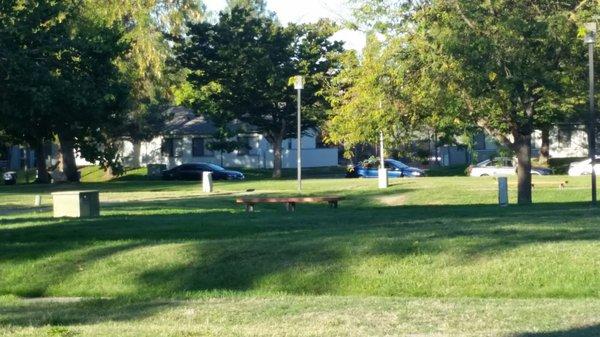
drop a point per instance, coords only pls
(60, 75)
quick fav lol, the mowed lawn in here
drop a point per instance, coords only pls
(426, 257)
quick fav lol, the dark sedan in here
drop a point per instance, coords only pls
(194, 172)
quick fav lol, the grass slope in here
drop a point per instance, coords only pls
(429, 256)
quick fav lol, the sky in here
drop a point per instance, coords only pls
(305, 11)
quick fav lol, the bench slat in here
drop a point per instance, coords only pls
(290, 203)
(284, 200)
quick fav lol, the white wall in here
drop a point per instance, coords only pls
(573, 143)
(260, 154)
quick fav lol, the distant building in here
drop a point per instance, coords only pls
(14, 157)
(185, 137)
(566, 141)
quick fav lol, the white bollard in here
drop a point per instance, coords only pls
(207, 182)
(38, 201)
(503, 191)
(383, 178)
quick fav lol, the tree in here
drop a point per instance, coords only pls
(512, 61)
(60, 77)
(511, 66)
(28, 36)
(241, 66)
(364, 100)
(257, 7)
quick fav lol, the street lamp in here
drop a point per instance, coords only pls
(299, 85)
(590, 40)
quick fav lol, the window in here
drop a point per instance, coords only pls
(178, 147)
(167, 147)
(198, 147)
(564, 137)
(172, 147)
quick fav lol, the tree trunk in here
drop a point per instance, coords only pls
(67, 159)
(136, 154)
(108, 173)
(277, 156)
(523, 147)
(40, 162)
(545, 149)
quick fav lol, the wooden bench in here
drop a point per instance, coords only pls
(290, 203)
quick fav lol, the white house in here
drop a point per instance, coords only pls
(185, 137)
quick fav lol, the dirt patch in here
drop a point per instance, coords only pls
(393, 200)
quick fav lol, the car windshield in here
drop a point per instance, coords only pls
(215, 167)
(484, 163)
(397, 163)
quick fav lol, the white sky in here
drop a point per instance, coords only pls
(304, 11)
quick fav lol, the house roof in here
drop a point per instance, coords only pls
(183, 121)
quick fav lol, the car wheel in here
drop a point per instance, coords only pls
(484, 175)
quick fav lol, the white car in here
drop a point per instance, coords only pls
(583, 168)
(500, 167)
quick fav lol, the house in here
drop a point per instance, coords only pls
(566, 141)
(186, 136)
(14, 157)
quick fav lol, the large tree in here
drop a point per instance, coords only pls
(511, 61)
(59, 76)
(241, 67)
(511, 66)
(28, 35)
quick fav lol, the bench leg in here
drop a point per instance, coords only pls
(249, 208)
(290, 206)
(333, 204)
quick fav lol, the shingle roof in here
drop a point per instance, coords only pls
(182, 121)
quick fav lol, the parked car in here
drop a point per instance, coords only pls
(194, 172)
(502, 166)
(583, 168)
(396, 169)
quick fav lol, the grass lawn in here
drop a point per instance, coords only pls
(426, 257)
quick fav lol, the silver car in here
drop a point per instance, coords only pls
(502, 166)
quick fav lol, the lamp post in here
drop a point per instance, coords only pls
(590, 40)
(299, 85)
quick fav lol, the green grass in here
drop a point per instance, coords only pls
(432, 257)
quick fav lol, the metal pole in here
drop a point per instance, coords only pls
(592, 126)
(381, 151)
(299, 142)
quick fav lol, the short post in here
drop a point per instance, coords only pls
(503, 191)
(38, 201)
(207, 182)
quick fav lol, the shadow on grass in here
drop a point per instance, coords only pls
(74, 313)
(233, 250)
(589, 331)
(230, 250)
